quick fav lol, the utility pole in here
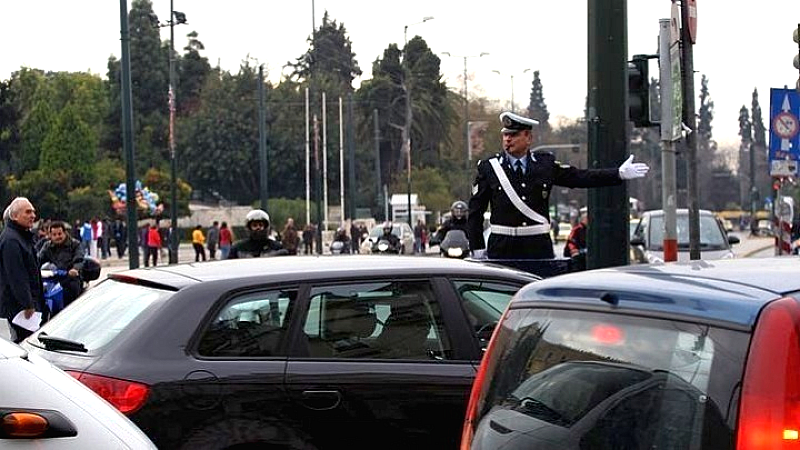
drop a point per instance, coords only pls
(262, 141)
(174, 241)
(127, 138)
(351, 158)
(669, 132)
(377, 138)
(607, 238)
(689, 118)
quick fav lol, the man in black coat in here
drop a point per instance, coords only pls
(20, 279)
(517, 183)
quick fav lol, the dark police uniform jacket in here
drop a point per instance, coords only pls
(251, 248)
(542, 173)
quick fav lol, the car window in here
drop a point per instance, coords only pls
(378, 231)
(380, 320)
(711, 234)
(484, 303)
(103, 312)
(617, 382)
(252, 324)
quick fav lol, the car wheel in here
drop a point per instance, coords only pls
(243, 433)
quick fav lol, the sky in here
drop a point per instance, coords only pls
(740, 45)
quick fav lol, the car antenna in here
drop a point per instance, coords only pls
(610, 298)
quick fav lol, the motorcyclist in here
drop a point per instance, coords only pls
(259, 242)
(341, 236)
(388, 236)
(65, 253)
(457, 221)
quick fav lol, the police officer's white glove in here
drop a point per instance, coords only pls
(479, 254)
(630, 170)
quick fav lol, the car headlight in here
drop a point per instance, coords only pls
(383, 246)
(455, 252)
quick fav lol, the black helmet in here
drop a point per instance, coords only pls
(256, 215)
(90, 269)
(387, 226)
(458, 209)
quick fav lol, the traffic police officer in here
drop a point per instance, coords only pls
(517, 183)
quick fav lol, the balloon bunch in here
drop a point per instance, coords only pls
(145, 198)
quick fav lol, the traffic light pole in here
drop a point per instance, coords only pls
(608, 234)
(691, 136)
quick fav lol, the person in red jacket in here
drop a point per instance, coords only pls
(153, 245)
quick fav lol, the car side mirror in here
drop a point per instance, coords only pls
(733, 239)
(637, 240)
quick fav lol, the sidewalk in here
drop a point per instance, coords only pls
(750, 245)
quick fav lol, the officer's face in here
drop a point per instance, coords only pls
(517, 143)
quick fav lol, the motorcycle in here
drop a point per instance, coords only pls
(340, 247)
(454, 245)
(52, 277)
(51, 287)
(383, 246)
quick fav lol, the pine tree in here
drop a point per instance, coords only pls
(746, 133)
(537, 108)
(762, 179)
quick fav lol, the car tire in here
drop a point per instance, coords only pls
(244, 432)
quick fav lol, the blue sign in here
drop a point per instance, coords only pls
(784, 132)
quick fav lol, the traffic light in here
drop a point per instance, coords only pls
(796, 37)
(639, 91)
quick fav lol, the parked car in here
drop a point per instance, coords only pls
(715, 243)
(298, 352)
(399, 229)
(672, 356)
(41, 407)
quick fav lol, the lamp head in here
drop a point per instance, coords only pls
(180, 18)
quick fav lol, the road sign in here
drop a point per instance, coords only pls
(784, 132)
(692, 4)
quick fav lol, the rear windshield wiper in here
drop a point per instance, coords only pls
(56, 343)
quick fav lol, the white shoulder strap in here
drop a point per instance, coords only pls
(512, 194)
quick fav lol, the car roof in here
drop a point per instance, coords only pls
(681, 211)
(303, 267)
(723, 290)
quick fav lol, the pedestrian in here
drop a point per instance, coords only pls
(153, 244)
(198, 239)
(259, 241)
(418, 230)
(225, 240)
(308, 238)
(575, 248)
(516, 183)
(355, 237)
(290, 239)
(212, 240)
(105, 238)
(97, 231)
(20, 279)
(86, 237)
(144, 234)
(120, 235)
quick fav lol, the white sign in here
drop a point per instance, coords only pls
(783, 168)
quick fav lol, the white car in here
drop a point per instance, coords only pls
(42, 407)
(399, 229)
(715, 243)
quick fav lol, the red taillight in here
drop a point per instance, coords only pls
(126, 396)
(769, 412)
(468, 431)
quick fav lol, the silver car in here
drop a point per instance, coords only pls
(648, 238)
(45, 408)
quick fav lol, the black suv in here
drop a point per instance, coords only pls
(294, 352)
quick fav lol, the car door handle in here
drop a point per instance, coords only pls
(321, 400)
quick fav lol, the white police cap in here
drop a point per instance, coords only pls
(513, 122)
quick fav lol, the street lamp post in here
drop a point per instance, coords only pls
(513, 107)
(180, 18)
(466, 99)
(409, 116)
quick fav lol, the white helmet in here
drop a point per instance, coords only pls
(255, 216)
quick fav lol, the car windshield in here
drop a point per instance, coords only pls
(378, 231)
(99, 315)
(610, 381)
(711, 235)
